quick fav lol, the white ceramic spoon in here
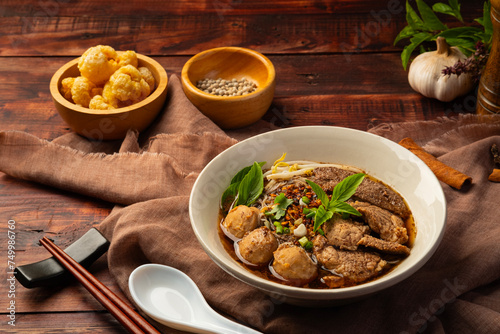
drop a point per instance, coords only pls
(172, 298)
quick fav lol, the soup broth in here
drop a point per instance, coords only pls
(277, 237)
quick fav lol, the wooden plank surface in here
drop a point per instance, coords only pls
(157, 36)
(187, 27)
(156, 8)
(95, 322)
(316, 89)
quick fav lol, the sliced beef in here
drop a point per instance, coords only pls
(344, 233)
(351, 266)
(389, 226)
(384, 246)
(369, 191)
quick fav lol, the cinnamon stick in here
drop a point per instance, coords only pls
(495, 175)
(443, 172)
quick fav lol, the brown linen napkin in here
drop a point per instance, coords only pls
(150, 176)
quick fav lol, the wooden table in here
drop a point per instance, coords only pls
(335, 64)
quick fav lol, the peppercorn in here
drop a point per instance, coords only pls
(223, 87)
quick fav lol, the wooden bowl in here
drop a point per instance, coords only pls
(110, 124)
(228, 63)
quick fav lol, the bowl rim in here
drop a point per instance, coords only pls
(59, 98)
(326, 294)
(271, 78)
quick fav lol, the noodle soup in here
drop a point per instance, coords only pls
(314, 225)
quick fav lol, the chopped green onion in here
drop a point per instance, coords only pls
(304, 200)
(304, 242)
(279, 227)
(309, 212)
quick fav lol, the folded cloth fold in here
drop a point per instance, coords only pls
(122, 178)
(150, 176)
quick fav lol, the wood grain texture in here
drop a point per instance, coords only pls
(154, 8)
(313, 89)
(187, 35)
(187, 27)
(96, 322)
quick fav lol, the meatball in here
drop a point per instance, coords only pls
(293, 264)
(240, 220)
(257, 247)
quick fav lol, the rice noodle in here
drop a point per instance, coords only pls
(282, 171)
(285, 173)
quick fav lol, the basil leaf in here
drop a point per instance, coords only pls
(485, 21)
(431, 21)
(406, 32)
(467, 46)
(251, 186)
(323, 197)
(343, 207)
(230, 192)
(416, 40)
(241, 174)
(414, 21)
(454, 4)
(341, 192)
(448, 9)
(347, 187)
(424, 25)
(460, 32)
(487, 24)
(322, 215)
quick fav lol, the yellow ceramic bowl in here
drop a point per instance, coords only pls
(230, 63)
(110, 124)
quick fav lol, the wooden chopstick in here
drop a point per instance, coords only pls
(130, 319)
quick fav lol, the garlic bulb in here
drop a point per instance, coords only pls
(425, 74)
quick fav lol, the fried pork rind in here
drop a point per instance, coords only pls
(108, 96)
(127, 86)
(108, 80)
(66, 85)
(99, 103)
(128, 58)
(96, 91)
(148, 76)
(98, 63)
(79, 90)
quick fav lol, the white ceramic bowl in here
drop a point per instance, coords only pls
(377, 156)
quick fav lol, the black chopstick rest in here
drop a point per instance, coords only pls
(49, 272)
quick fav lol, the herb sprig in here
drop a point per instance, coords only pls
(246, 186)
(279, 210)
(336, 204)
(425, 26)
